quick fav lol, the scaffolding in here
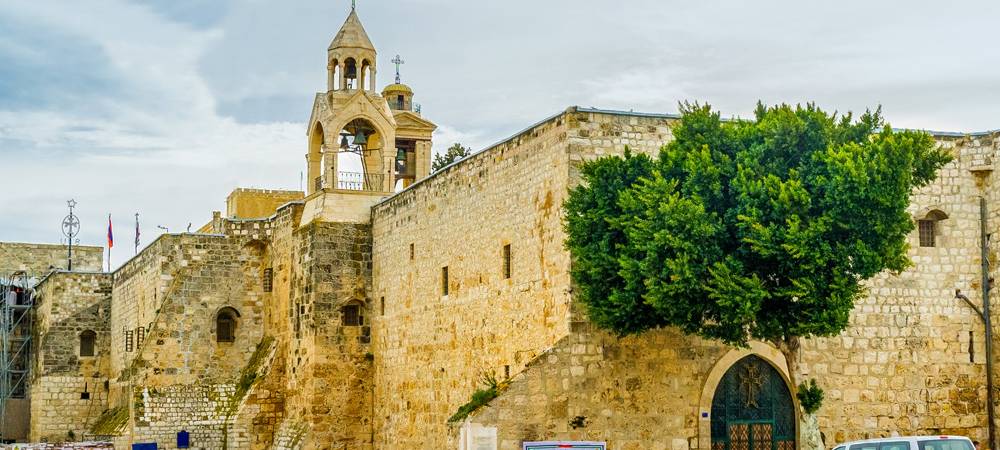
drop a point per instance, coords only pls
(16, 301)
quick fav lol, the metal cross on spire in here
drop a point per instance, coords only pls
(354, 4)
(397, 61)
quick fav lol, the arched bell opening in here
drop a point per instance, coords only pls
(352, 72)
(317, 161)
(359, 150)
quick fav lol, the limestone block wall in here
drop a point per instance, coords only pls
(39, 259)
(432, 347)
(245, 203)
(174, 290)
(636, 393)
(913, 359)
(329, 381)
(68, 389)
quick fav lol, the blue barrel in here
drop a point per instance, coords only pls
(183, 439)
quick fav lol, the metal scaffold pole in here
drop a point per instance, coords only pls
(16, 301)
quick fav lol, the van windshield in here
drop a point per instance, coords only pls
(944, 444)
(894, 445)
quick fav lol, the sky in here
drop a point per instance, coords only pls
(162, 107)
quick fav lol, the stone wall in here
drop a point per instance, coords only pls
(910, 363)
(68, 390)
(432, 348)
(246, 203)
(39, 259)
(171, 295)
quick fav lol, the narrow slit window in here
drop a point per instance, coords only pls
(506, 261)
(382, 306)
(268, 280)
(411, 252)
(972, 348)
(444, 280)
(926, 230)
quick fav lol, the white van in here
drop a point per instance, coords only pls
(910, 443)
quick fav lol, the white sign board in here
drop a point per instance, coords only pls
(477, 437)
(572, 445)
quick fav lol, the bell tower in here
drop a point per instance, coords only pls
(360, 140)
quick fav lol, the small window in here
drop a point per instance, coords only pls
(382, 306)
(87, 340)
(268, 280)
(444, 280)
(225, 325)
(411, 252)
(400, 100)
(128, 341)
(85, 395)
(351, 316)
(926, 229)
(506, 261)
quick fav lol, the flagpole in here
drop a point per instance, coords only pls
(136, 233)
(110, 243)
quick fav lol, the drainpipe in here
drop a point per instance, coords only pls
(987, 322)
(984, 315)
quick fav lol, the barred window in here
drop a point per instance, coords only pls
(926, 230)
(268, 279)
(506, 261)
(351, 315)
(225, 325)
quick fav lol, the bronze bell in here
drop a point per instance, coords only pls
(359, 138)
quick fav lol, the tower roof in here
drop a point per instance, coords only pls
(352, 35)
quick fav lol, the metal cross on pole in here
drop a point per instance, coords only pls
(70, 228)
(354, 4)
(397, 61)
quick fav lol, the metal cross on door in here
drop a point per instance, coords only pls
(752, 409)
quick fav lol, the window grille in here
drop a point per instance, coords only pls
(926, 230)
(444, 280)
(128, 341)
(351, 315)
(268, 279)
(506, 261)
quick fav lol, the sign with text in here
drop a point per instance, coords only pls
(572, 445)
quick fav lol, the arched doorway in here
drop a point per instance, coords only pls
(752, 408)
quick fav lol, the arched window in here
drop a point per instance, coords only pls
(88, 339)
(351, 315)
(927, 228)
(225, 325)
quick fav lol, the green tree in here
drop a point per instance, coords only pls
(758, 229)
(454, 153)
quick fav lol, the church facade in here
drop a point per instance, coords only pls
(364, 312)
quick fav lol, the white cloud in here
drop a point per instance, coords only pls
(169, 134)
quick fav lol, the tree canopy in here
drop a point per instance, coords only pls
(747, 229)
(454, 153)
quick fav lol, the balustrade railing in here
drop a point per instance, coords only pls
(358, 181)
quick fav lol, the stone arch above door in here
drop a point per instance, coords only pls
(761, 350)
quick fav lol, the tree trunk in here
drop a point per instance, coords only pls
(789, 347)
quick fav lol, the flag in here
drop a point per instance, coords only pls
(111, 236)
